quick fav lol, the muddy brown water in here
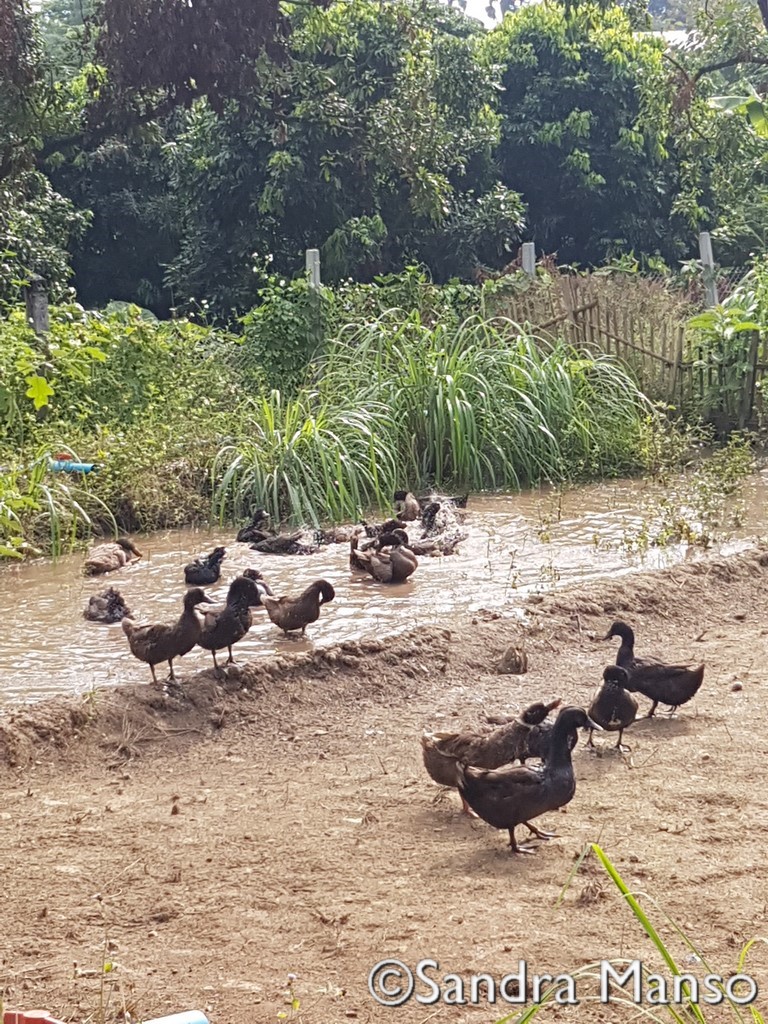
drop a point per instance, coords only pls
(517, 544)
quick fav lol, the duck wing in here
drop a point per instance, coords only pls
(505, 796)
(485, 750)
(669, 684)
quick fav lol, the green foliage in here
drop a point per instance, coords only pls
(37, 225)
(690, 1009)
(478, 404)
(584, 134)
(724, 343)
(377, 150)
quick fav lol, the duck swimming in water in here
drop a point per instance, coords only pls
(206, 569)
(662, 684)
(108, 606)
(514, 794)
(255, 530)
(388, 560)
(109, 557)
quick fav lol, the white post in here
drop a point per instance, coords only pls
(708, 270)
(529, 258)
(313, 267)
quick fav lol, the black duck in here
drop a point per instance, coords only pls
(517, 739)
(613, 707)
(261, 584)
(514, 794)
(206, 569)
(108, 606)
(663, 684)
(255, 530)
(109, 557)
(285, 544)
(296, 613)
(224, 626)
(158, 642)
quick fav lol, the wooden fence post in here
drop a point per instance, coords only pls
(314, 326)
(708, 270)
(529, 259)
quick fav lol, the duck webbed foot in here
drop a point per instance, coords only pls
(514, 847)
(653, 709)
(540, 833)
(622, 747)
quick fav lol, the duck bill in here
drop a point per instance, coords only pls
(593, 725)
(554, 704)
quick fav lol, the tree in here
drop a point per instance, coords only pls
(584, 138)
(373, 143)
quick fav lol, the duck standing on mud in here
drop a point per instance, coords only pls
(224, 626)
(514, 794)
(663, 684)
(613, 707)
(524, 736)
(158, 642)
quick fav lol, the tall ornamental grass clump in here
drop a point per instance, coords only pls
(397, 402)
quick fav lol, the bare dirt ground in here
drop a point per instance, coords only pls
(209, 845)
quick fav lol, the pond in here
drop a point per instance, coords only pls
(517, 544)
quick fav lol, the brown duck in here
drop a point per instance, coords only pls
(390, 560)
(161, 642)
(224, 626)
(296, 613)
(407, 506)
(514, 794)
(109, 557)
(613, 708)
(522, 737)
(107, 606)
(663, 684)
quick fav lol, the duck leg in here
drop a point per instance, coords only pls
(621, 749)
(653, 708)
(589, 741)
(171, 674)
(514, 848)
(231, 657)
(466, 808)
(540, 833)
(215, 663)
(154, 677)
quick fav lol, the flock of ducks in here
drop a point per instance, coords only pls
(384, 551)
(480, 765)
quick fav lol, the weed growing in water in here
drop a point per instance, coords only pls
(704, 505)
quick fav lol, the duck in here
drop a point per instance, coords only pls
(409, 509)
(514, 794)
(159, 641)
(389, 560)
(109, 557)
(285, 544)
(672, 685)
(444, 544)
(613, 707)
(254, 531)
(338, 534)
(458, 500)
(206, 569)
(107, 606)
(512, 741)
(261, 584)
(224, 625)
(296, 613)
(388, 526)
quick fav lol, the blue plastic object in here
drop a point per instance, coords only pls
(67, 466)
(188, 1017)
